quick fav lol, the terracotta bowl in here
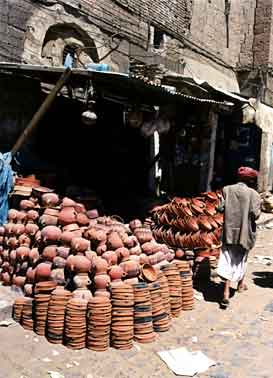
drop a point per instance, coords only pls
(149, 273)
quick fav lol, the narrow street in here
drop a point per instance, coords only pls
(239, 339)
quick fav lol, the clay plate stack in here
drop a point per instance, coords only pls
(56, 315)
(75, 323)
(18, 308)
(187, 285)
(143, 317)
(27, 314)
(99, 314)
(165, 293)
(122, 327)
(160, 317)
(174, 282)
(42, 297)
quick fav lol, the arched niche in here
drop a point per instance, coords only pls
(64, 38)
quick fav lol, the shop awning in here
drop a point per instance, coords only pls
(120, 86)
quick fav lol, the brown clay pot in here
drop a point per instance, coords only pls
(12, 215)
(67, 202)
(30, 275)
(5, 276)
(13, 242)
(22, 253)
(132, 268)
(49, 252)
(50, 199)
(67, 216)
(51, 234)
(26, 205)
(102, 281)
(80, 244)
(116, 273)
(79, 264)
(100, 265)
(114, 241)
(32, 215)
(57, 275)
(19, 281)
(24, 240)
(48, 220)
(31, 229)
(59, 262)
(111, 257)
(34, 255)
(63, 252)
(43, 272)
(82, 219)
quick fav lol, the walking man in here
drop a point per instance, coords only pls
(242, 207)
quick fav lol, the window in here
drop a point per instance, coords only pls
(158, 40)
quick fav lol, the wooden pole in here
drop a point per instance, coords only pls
(213, 121)
(41, 111)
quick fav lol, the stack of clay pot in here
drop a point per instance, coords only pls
(56, 315)
(186, 285)
(18, 308)
(160, 317)
(42, 297)
(165, 292)
(175, 290)
(143, 315)
(122, 326)
(190, 224)
(75, 323)
(27, 314)
(99, 316)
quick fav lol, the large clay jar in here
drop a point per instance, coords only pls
(63, 252)
(91, 255)
(18, 229)
(48, 220)
(67, 202)
(67, 237)
(50, 199)
(57, 275)
(122, 253)
(79, 264)
(26, 205)
(114, 241)
(24, 240)
(30, 275)
(102, 281)
(22, 253)
(59, 262)
(67, 215)
(116, 273)
(31, 229)
(34, 255)
(51, 234)
(5, 276)
(19, 281)
(32, 215)
(49, 252)
(136, 223)
(43, 272)
(82, 219)
(81, 280)
(12, 215)
(101, 265)
(80, 244)
(13, 256)
(111, 257)
(132, 268)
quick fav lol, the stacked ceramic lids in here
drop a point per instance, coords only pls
(122, 328)
(143, 317)
(174, 282)
(27, 314)
(43, 292)
(187, 285)
(160, 317)
(75, 323)
(165, 293)
(99, 313)
(56, 315)
(18, 308)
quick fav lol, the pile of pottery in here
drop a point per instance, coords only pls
(186, 285)
(190, 224)
(75, 323)
(174, 282)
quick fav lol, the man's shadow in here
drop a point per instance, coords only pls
(263, 279)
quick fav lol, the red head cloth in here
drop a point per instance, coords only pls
(247, 173)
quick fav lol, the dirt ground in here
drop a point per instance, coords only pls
(239, 339)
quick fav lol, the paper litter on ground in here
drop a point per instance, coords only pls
(183, 362)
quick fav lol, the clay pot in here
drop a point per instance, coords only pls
(50, 252)
(67, 202)
(71, 227)
(101, 249)
(144, 259)
(24, 240)
(123, 253)
(34, 255)
(102, 293)
(82, 293)
(90, 255)
(2, 230)
(102, 281)
(63, 252)
(92, 214)
(116, 273)
(100, 265)
(26, 205)
(80, 244)
(32, 215)
(57, 275)
(21, 216)
(12, 215)
(59, 262)
(18, 281)
(8, 229)
(18, 229)
(143, 235)
(38, 237)
(13, 256)
(114, 241)
(48, 220)
(111, 257)
(135, 224)
(149, 273)
(132, 268)
(135, 250)
(5, 276)
(13, 242)
(31, 229)
(28, 290)
(67, 216)
(51, 234)
(81, 280)
(43, 272)
(22, 253)
(131, 281)
(131, 242)
(79, 264)
(82, 219)
(50, 199)
(30, 275)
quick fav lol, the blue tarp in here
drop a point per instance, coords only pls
(6, 184)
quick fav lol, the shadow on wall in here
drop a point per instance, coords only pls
(263, 279)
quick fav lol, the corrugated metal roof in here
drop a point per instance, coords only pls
(110, 83)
